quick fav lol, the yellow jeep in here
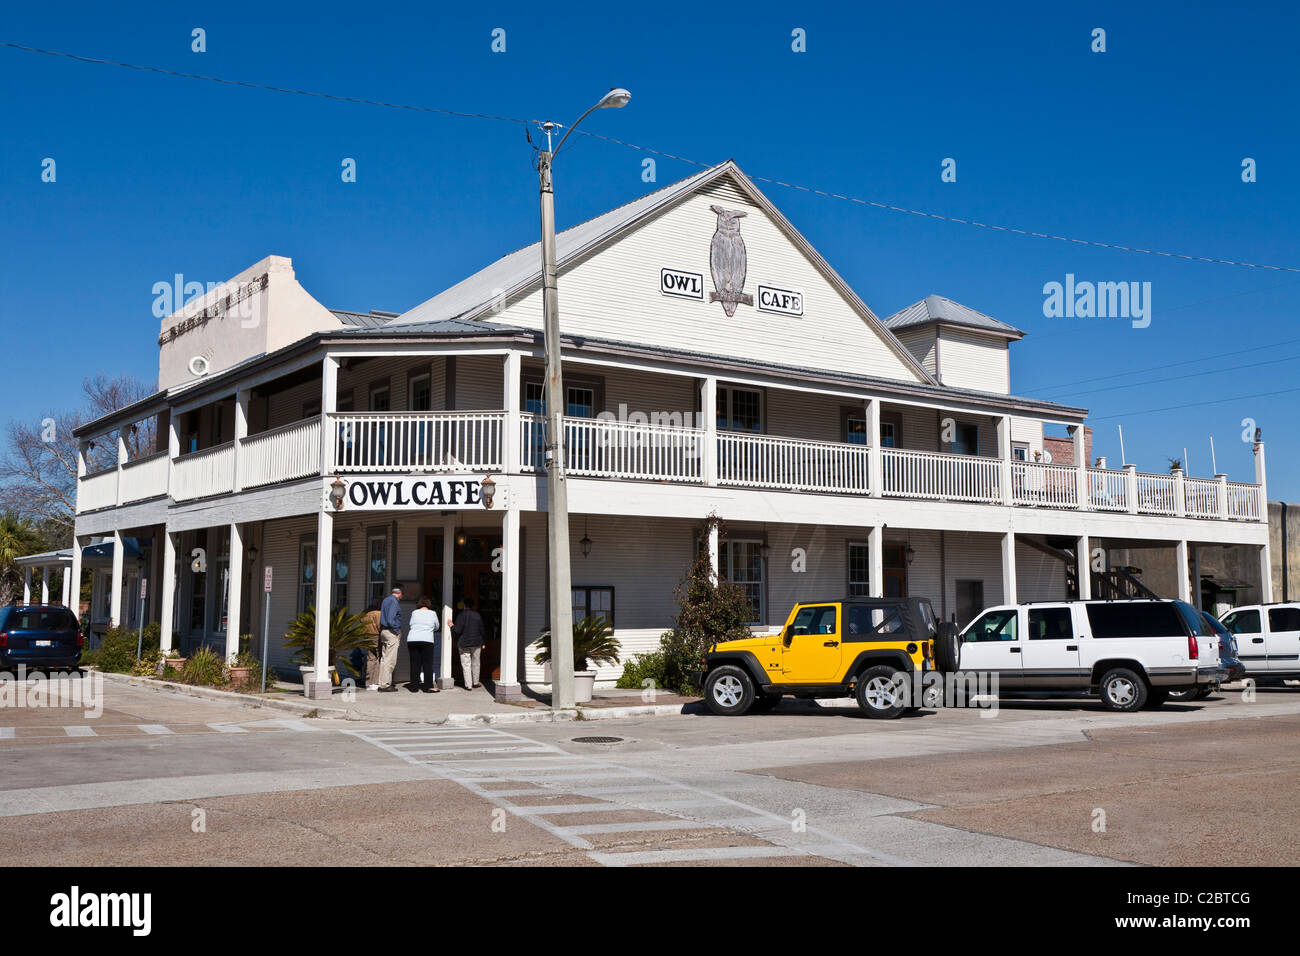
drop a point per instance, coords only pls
(869, 648)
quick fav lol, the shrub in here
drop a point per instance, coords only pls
(205, 668)
(669, 667)
(116, 653)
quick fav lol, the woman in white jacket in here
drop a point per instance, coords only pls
(420, 644)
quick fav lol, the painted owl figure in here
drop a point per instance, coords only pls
(727, 260)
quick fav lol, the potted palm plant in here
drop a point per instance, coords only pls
(593, 643)
(346, 633)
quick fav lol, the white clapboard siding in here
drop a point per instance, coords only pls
(921, 343)
(145, 478)
(479, 381)
(97, 491)
(971, 360)
(830, 334)
(281, 454)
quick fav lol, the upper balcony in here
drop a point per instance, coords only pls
(503, 442)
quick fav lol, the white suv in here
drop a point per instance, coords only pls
(1130, 653)
(1268, 639)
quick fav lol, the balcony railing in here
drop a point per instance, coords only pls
(281, 454)
(144, 478)
(417, 441)
(761, 461)
(941, 476)
(98, 490)
(478, 441)
(1045, 486)
(201, 474)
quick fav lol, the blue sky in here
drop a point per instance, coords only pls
(1141, 145)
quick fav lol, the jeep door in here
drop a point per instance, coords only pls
(991, 642)
(1282, 642)
(1050, 658)
(811, 653)
(1251, 651)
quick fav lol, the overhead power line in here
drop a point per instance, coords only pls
(1179, 407)
(1028, 233)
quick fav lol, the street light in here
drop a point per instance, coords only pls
(557, 499)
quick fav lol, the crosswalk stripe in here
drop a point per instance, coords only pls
(642, 857)
(636, 827)
(155, 729)
(228, 728)
(79, 732)
(6, 733)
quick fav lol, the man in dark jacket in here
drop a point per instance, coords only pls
(468, 631)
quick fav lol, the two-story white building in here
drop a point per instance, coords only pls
(714, 362)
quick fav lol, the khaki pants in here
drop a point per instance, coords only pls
(469, 660)
(372, 662)
(388, 644)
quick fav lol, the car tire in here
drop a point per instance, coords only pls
(729, 691)
(1157, 697)
(947, 647)
(1184, 695)
(1122, 690)
(879, 694)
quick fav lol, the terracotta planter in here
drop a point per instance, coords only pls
(239, 676)
(175, 663)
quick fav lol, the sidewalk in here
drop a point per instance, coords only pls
(454, 706)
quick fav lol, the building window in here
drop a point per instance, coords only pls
(376, 568)
(970, 601)
(534, 398)
(742, 564)
(855, 430)
(306, 576)
(1020, 451)
(379, 398)
(580, 402)
(593, 602)
(740, 410)
(420, 398)
(339, 561)
(966, 439)
(859, 570)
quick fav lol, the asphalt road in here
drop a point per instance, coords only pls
(160, 779)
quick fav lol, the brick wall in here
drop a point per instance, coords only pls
(1061, 448)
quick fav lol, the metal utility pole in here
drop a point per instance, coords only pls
(557, 495)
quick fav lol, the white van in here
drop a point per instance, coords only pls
(1268, 639)
(1130, 653)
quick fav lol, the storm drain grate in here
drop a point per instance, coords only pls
(597, 740)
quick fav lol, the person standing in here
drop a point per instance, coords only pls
(372, 649)
(420, 645)
(390, 636)
(468, 631)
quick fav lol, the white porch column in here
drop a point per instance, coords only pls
(1009, 567)
(1261, 479)
(714, 557)
(320, 687)
(448, 557)
(1131, 488)
(1083, 566)
(876, 560)
(74, 577)
(241, 432)
(1221, 496)
(875, 454)
(173, 448)
(27, 585)
(121, 460)
(513, 438)
(115, 592)
(167, 599)
(709, 416)
(1180, 567)
(1004, 453)
(1180, 492)
(235, 586)
(45, 584)
(66, 583)
(329, 398)
(1266, 575)
(507, 687)
(1081, 466)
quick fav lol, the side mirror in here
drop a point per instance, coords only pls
(787, 634)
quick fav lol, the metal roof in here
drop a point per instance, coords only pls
(524, 266)
(937, 309)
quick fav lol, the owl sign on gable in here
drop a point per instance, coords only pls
(727, 261)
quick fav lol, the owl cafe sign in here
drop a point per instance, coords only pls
(728, 265)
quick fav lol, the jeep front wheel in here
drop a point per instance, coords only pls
(728, 691)
(1122, 690)
(882, 692)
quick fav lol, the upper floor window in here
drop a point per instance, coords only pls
(534, 398)
(740, 409)
(1020, 451)
(580, 401)
(966, 439)
(380, 400)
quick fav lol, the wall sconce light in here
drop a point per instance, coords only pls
(488, 489)
(252, 554)
(337, 488)
(586, 542)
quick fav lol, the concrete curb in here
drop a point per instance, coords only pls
(303, 708)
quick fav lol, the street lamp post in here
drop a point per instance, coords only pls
(557, 498)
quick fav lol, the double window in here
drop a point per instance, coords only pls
(309, 573)
(739, 409)
(593, 602)
(742, 564)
